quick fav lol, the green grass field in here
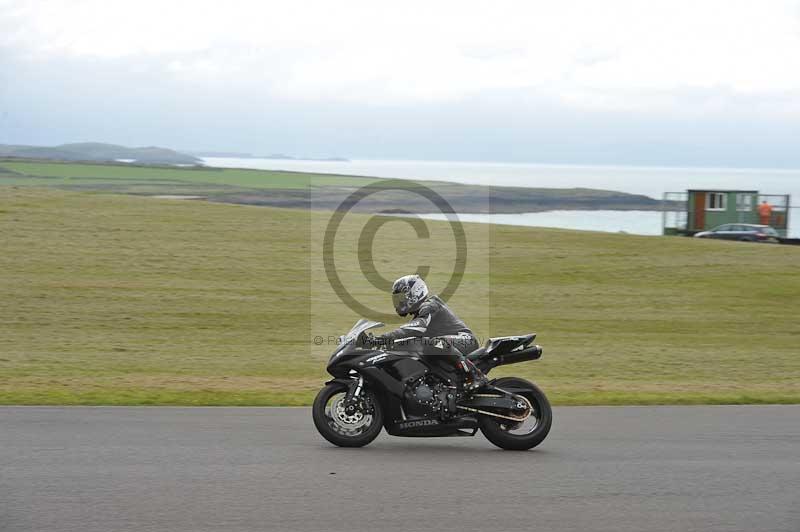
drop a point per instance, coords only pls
(57, 173)
(109, 299)
(298, 189)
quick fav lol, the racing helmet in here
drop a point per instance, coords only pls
(408, 293)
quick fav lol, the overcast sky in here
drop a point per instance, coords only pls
(644, 82)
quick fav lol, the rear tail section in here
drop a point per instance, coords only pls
(506, 350)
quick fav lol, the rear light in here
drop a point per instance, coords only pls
(761, 236)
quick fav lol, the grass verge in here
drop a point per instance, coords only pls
(108, 299)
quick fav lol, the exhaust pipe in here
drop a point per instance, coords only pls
(533, 352)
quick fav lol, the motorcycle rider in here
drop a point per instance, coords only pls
(431, 317)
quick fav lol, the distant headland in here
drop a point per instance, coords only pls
(99, 152)
(104, 152)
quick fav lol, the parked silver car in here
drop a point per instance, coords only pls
(742, 232)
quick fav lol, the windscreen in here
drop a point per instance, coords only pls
(360, 326)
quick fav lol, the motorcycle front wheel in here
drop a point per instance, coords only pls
(346, 429)
(519, 436)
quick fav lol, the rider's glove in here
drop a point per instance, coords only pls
(371, 340)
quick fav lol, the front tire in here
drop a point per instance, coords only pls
(340, 428)
(517, 436)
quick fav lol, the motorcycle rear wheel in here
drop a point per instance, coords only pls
(517, 436)
(342, 429)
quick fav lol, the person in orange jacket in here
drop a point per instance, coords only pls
(765, 212)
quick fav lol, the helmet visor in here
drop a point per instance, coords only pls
(400, 300)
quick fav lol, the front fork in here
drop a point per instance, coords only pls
(353, 400)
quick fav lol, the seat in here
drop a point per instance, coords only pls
(475, 355)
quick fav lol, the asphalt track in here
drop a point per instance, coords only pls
(717, 468)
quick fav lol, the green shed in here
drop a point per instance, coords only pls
(687, 213)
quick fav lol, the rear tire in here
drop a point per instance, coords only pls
(499, 432)
(340, 429)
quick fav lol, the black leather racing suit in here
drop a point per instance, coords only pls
(435, 319)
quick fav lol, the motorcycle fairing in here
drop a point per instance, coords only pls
(391, 370)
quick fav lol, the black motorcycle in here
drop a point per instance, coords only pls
(416, 390)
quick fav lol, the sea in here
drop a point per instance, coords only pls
(652, 181)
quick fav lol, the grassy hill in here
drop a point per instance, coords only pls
(108, 299)
(98, 151)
